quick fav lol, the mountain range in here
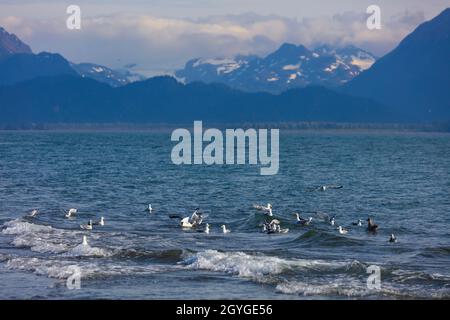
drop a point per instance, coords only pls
(409, 84)
(415, 76)
(18, 63)
(288, 67)
(165, 100)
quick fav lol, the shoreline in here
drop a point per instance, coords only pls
(286, 127)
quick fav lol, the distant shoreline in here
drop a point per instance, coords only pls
(284, 126)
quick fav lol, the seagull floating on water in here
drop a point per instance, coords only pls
(149, 208)
(101, 222)
(302, 221)
(87, 226)
(267, 209)
(33, 213)
(85, 242)
(332, 221)
(326, 187)
(358, 223)
(342, 230)
(281, 230)
(274, 227)
(225, 230)
(71, 213)
(392, 238)
(371, 226)
(195, 220)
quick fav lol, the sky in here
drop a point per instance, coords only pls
(159, 36)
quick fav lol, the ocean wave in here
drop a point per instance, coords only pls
(46, 239)
(87, 251)
(438, 251)
(351, 288)
(66, 242)
(415, 276)
(259, 266)
(17, 226)
(347, 289)
(62, 269)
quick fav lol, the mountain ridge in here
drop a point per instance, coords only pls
(290, 66)
(163, 99)
(415, 76)
(11, 44)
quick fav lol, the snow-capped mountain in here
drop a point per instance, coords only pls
(10, 44)
(288, 67)
(101, 73)
(18, 63)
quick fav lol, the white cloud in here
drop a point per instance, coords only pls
(162, 43)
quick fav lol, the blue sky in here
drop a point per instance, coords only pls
(160, 35)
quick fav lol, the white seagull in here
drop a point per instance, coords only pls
(150, 209)
(302, 221)
(392, 238)
(358, 223)
(342, 230)
(71, 213)
(101, 222)
(225, 230)
(332, 221)
(195, 220)
(326, 187)
(274, 227)
(267, 209)
(33, 213)
(85, 242)
(87, 226)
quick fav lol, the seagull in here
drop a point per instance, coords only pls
(87, 226)
(342, 230)
(101, 222)
(207, 228)
(269, 227)
(33, 213)
(267, 210)
(185, 223)
(302, 221)
(332, 221)
(392, 238)
(85, 242)
(358, 223)
(195, 220)
(280, 230)
(71, 213)
(225, 230)
(150, 209)
(264, 229)
(371, 226)
(326, 187)
(274, 227)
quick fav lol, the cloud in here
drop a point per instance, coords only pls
(162, 43)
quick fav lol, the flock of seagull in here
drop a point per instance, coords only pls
(269, 227)
(71, 213)
(274, 225)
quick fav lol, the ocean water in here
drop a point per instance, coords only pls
(401, 180)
